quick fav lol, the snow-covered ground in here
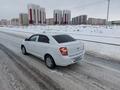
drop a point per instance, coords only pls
(98, 40)
(26, 72)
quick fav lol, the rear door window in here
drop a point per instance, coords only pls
(43, 38)
(63, 38)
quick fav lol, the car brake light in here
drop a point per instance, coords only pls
(64, 51)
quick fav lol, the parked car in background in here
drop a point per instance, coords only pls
(59, 49)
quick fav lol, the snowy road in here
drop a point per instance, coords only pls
(19, 72)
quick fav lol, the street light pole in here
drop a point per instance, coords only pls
(108, 9)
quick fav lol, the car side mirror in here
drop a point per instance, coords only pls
(26, 39)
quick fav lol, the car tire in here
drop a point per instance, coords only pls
(49, 62)
(23, 49)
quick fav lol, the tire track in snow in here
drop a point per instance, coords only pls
(44, 82)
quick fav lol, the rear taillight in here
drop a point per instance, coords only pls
(64, 51)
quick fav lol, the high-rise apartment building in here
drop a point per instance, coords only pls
(62, 17)
(66, 16)
(57, 16)
(36, 14)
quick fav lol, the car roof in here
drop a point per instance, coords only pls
(49, 33)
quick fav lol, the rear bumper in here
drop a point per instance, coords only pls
(66, 60)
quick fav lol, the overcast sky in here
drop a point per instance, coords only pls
(93, 8)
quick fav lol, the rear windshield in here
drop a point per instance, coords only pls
(63, 38)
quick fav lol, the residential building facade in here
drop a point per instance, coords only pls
(96, 21)
(23, 18)
(15, 22)
(117, 22)
(82, 19)
(50, 21)
(4, 22)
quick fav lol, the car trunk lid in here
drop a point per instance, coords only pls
(74, 48)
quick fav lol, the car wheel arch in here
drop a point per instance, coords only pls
(45, 58)
(22, 46)
(47, 54)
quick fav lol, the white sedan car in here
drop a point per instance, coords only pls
(61, 50)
